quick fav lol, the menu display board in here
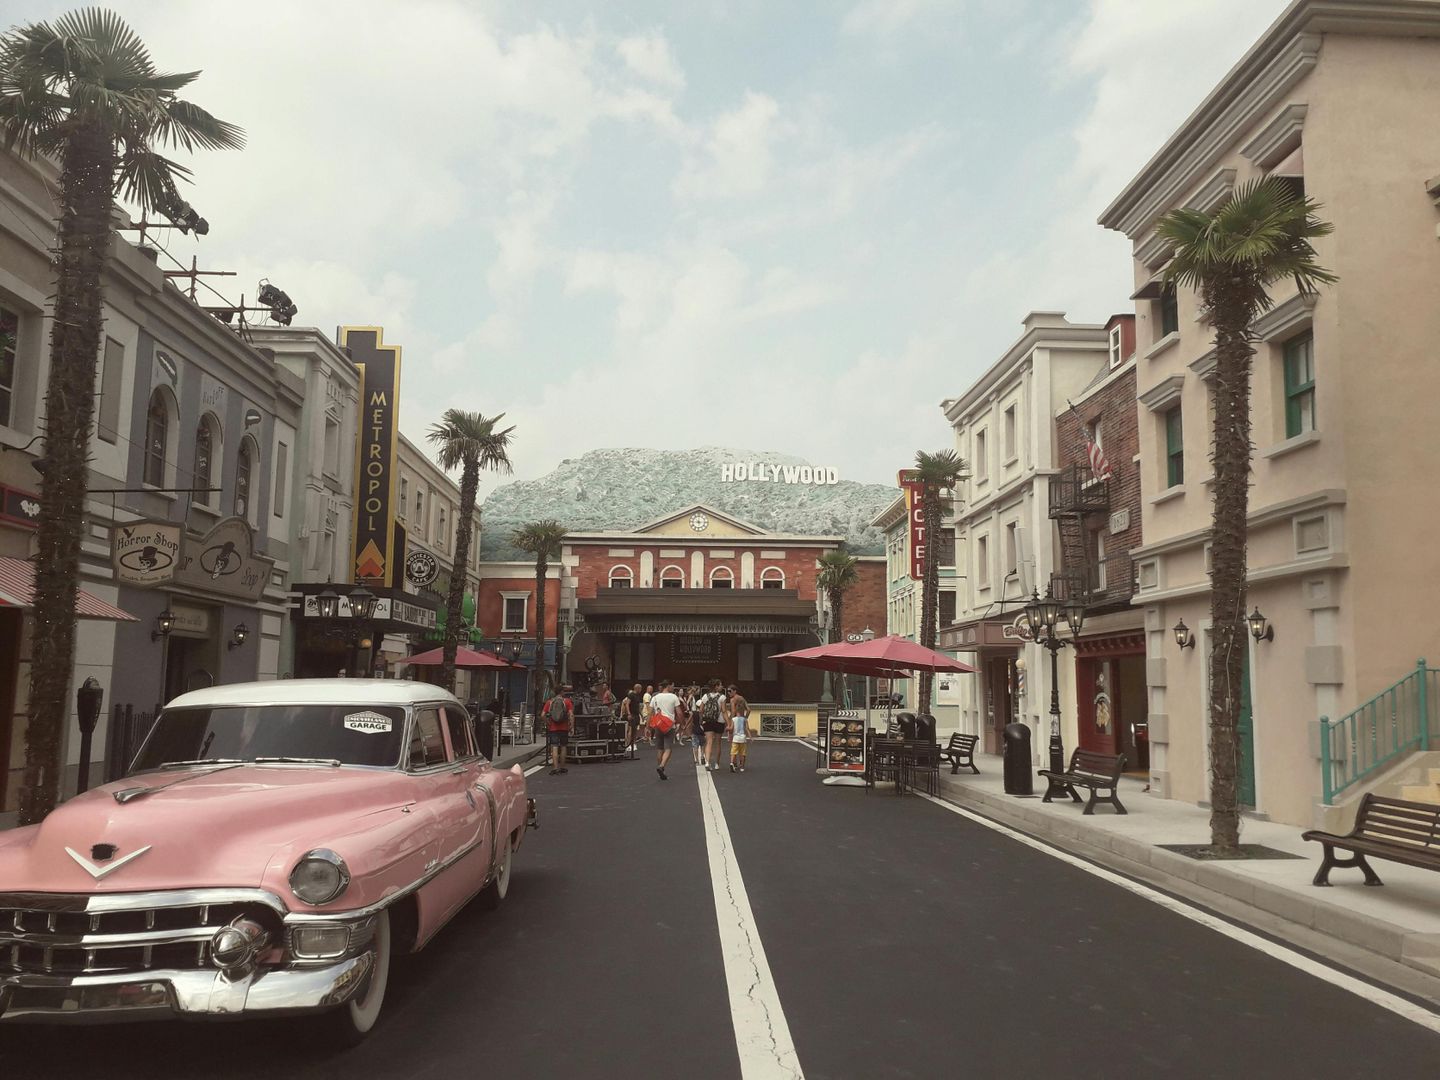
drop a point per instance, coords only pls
(845, 741)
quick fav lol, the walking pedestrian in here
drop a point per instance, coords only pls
(711, 708)
(559, 724)
(739, 730)
(664, 710)
(646, 711)
(631, 711)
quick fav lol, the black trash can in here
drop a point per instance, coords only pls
(925, 727)
(1019, 774)
(485, 732)
(905, 721)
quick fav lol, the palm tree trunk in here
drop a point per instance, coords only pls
(88, 170)
(837, 614)
(541, 673)
(929, 590)
(1233, 307)
(454, 607)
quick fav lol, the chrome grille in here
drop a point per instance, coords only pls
(56, 935)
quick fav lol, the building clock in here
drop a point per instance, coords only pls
(699, 522)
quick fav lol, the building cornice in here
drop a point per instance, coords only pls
(1162, 393)
(891, 515)
(1277, 138)
(1020, 354)
(1257, 518)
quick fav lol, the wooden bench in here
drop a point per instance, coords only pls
(961, 751)
(1092, 770)
(1394, 829)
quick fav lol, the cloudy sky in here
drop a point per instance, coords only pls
(786, 226)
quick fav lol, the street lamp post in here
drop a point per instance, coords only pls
(1043, 614)
(362, 607)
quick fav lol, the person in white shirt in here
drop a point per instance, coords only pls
(664, 711)
(739, 730)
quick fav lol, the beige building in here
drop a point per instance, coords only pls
(1004, 541)
(1340, 98)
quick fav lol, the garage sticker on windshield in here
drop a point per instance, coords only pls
(368, 721)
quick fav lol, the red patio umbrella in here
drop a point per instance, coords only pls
(891, 656)
(464, 658)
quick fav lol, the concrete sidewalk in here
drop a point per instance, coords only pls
(1399, 921)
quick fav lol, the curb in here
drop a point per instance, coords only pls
(1411, 948)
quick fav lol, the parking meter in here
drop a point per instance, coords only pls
(87, 708)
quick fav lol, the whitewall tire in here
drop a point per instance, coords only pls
(351, 1022)
(499, 886)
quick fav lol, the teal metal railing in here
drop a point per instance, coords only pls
(1397, 721)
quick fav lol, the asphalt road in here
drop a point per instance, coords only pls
(903, 941)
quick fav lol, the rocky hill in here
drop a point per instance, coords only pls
(624, 488)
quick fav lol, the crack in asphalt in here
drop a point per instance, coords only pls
(782, 1059)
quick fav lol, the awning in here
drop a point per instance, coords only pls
(17, 590)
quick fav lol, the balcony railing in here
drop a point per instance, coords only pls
(1395, 722)
(1097, 583)
(1076, 491)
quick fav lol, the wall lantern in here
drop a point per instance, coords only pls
(238, 636)
(1260, 628)
(362, 603)
(164, 623)
(1183, 637)
(327, 604)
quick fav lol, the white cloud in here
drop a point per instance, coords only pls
(882, 18)
(737, 157)
(649, 56)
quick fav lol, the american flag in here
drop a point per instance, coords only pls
(1099, 463)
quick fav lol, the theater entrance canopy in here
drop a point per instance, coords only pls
(695, 595)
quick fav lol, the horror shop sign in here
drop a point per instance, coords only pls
(817, 475)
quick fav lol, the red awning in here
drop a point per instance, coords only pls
(17, 590)
(464, 658)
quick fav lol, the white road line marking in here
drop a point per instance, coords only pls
(762, 1037)
(534, 769)
(1383, 998)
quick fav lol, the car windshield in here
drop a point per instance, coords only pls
(349, 734)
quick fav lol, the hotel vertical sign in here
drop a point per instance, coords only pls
(915, 516)
(375, 551)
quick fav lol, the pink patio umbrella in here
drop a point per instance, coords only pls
(464, 658)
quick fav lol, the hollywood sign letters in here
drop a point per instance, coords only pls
(817, 475)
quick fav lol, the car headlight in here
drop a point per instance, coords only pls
(319, 877)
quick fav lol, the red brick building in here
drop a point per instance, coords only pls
(1099, 524)
(695, 595)
(865, 600)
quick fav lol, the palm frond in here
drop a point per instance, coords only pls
(462, 437)
(148, 179)
(940, 469)
(184, 124)
(540, 538)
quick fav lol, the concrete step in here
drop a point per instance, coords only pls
(1428, 793)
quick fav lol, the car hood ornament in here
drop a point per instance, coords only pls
(98, 872)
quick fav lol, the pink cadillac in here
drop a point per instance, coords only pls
(273, 846)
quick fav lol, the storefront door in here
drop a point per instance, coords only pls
(999, 705)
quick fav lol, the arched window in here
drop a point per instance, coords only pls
(157, 439)
(622, 577)
(672, 577)
(244, 475)
(722, 577)
(207, 445)
(772, 577)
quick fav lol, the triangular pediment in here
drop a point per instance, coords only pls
(715, 523)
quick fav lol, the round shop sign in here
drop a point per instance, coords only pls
(421, 568)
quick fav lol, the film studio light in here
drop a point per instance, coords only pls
(282, 308)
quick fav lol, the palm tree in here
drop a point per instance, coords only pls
(1261, 236)
(469, 442)
(543, 540)
(839, 570)
(938, 473)
(82, 91)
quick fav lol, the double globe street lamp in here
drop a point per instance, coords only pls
(1043, 615)
(362, 609)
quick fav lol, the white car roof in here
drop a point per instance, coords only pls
(315, 692)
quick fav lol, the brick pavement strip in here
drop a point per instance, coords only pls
(1399, 922)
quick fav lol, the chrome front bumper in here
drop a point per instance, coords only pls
(159, 994)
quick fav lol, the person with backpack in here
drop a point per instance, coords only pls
(632, 707)
(559, 713)
(664, 712)
(739, 730)
(711, 708)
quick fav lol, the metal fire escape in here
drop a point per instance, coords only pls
(1078, 504)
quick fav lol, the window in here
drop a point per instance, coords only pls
(672, 577)
(516, 605)
(282, 466)
(419, 512)
(1169, 311)
(112, 381)
(203, 473)
(427, 744)
(157, 439)
(982, 562)
(1012, 550)
(1299, 385)
(457, 726)
(945, 546)
(244, 472)
(1010, 451)
(772, 577)
(722, 577)
(332, 447)
(947, 607)
(982, 462)
(442, 537)
(404, 494)
(9, 341)
(1174, 448)
(621, 577)
(1117, 347)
